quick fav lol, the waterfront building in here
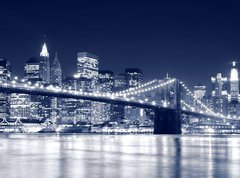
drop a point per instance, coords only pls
(5, 75)
(20, 107)
(73, 110)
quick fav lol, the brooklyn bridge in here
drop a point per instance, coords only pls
(170, 99)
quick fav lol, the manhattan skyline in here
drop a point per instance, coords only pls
(154, 36)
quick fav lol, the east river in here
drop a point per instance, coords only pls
(117, 156)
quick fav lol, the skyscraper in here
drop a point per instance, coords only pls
(56, 79)
(87, 67)
(219, 94)
(234, 107)
(120, 82)
(106, 80)
(105, 84)
(56, 72)
(45, 106)
(44, 64)
(32, 70)
(134, 77)
(234, 83)
(5, 75)
(69, 105)
(87, 74)
(200, 94)
(32, 74)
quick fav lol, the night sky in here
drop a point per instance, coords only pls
(192, 39)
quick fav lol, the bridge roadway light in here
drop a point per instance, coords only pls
(112, 97)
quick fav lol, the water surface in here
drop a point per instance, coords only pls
(113, 156)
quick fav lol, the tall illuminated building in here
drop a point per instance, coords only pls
(32, 70)
(32, 74)
(199, 93)
(87, 75)
(87, 68)
(120, 82)
(45, 64)
(45, 106)
(20, 104)
(219, 94)
(106, 81)
(5, 75)
(56, 80)
(103, 111)
(69, 105)
(234, 83)
(134, 78)
(234, 108)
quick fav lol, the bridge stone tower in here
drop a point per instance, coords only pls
(168, 121)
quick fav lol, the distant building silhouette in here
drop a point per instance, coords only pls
(56, 71)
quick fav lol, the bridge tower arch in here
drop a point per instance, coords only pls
(168, 121)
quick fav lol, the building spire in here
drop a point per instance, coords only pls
(234, 72)
(234, 63)
(44, 52)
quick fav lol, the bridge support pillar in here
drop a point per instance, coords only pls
(167, 122)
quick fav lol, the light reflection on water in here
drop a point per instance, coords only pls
(52, 155)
